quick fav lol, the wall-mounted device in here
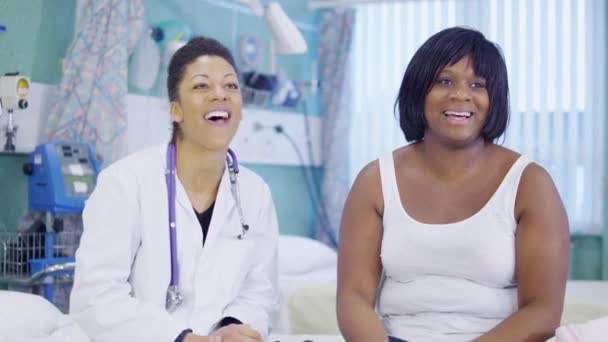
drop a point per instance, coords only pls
(62, 175)
(286, 37)
(14, 90)
(250, 50)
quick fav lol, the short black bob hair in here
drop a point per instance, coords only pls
(184, 56)
(447, 47)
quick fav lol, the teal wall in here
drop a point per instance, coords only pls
(40, 31)
(37, 37)
(586, 257)
(13, 185)
(226, 22)
(605, 225)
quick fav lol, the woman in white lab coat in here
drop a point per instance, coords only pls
(225, 262)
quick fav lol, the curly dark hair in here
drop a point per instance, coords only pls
(184, 56)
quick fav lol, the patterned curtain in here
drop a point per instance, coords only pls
(334, 49)
(91, 101)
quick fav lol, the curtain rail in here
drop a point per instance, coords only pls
(320, 4)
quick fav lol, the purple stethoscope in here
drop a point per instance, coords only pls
(174, 297)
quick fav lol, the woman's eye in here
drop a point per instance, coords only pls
(233, 86)
(444, 81)
(200, 86)
(478, 85)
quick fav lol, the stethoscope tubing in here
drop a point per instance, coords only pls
(170, 175)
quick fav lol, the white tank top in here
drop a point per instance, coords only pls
(448, 282)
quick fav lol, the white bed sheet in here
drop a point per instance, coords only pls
(305, 338)
(28, 317)
(289, 284)
(584, 301)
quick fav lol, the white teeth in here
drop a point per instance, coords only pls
(216, 114)
(464, 114)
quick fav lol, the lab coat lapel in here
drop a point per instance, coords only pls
(224, 204)
(207, 277)
(222, 211)
(182, 197)
(223, 196)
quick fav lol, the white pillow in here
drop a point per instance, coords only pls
(28, 317)
(299, 255)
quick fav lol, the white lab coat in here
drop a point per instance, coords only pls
(123, 262)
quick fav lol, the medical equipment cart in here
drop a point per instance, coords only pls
(40, 258)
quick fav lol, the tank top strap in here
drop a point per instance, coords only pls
(507, 190)
(387, 177)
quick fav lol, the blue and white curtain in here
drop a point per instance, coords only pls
(334, 49)
(555, 52)
(91, 101)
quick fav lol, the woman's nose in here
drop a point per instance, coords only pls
(461, 92)
(219, 93)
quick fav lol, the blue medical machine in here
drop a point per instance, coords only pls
(61, 176)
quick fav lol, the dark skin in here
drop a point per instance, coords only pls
(450, 176)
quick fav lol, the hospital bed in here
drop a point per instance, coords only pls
(29, 317)
(307, 286)
(304, 264)
(307, 281)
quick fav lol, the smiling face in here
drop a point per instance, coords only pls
(456, 107)
(208, 107)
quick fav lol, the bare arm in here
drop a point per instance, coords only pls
(542, 255)
(359, 265)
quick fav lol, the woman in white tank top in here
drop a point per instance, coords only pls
(453, 238)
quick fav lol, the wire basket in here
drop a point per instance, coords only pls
(39, 263)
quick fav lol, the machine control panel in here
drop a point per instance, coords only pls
(62, 175)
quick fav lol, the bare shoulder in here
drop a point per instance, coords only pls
(536, 190)
(507, 156)
(537, 194)
(535, 178)
(369, 177)
(369, 174)
(407, 160)
(367, 187)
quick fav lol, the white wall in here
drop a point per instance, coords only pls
(148, 124)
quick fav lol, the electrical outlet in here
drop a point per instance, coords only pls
(256, 140)
(266, 137)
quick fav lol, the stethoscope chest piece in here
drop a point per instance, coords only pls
(174, 298)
